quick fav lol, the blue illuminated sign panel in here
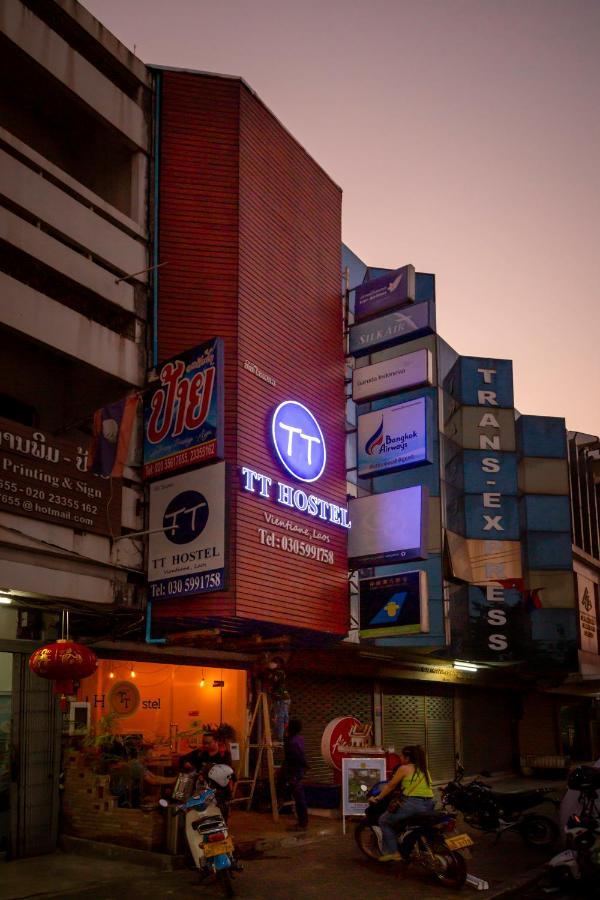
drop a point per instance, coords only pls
(298, 441)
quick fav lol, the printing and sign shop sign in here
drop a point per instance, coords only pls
(384, 293)
(393, 438)
(392, 375)
(394, 604)
(183, 411)
(45, 478)
(186, 553)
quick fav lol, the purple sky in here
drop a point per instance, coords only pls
(466, 137)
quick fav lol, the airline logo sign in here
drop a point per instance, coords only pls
(394, 604)
(392, 375)
(183, 411)
(385, 293)
(393, 438)
(394, 328)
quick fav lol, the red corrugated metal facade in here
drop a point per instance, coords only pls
(250, 234)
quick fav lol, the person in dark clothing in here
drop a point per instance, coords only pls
(293, 770)
(208, 754)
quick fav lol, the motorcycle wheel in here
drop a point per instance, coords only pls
(366, 840)
(449, 868)
(539, 831)
(224, 879)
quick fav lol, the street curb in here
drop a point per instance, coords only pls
(518, 884)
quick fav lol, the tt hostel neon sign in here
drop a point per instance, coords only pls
(294, 498)
(298, 441)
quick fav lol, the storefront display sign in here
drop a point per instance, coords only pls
(393, 438)
(358, 777)
(44, 478)
(186, 552)
(376, 334)
(337, 734)
(183, 411)
(392, 375)
(386, 292)
(388, 527)
(124, 699)
(394, 604)
(587, 602)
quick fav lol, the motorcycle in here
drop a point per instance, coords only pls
(496, 811)
(206, 830)
(579, 864)
(423, 840)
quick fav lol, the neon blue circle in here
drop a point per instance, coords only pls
(298, 441)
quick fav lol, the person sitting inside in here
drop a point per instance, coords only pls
(413, 783)
(129, 779)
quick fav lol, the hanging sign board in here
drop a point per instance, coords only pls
(392, 375)
(393, 438)
(389, 527)
(186, 553)
(394, 328)
(394, 604)
(183, 411)
(386, 292)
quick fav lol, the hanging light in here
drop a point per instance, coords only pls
(111, 674)
(132, 673)
(202, 681)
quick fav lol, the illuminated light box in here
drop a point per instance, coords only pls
(393, 438)
(397, 374)
(394, 604)
(393, 328)
(385, 292)
(390, 527)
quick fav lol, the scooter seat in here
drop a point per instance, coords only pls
(433, 818)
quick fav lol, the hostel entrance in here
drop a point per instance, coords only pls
(129, 728)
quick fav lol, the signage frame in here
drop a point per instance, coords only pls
(178, 445)
(414, 369)
(372, 438)
(381, 294)
(407, 513)
(415, 581)
(391, 329)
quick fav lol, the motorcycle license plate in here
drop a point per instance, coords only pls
(218, 847)
(458, 842)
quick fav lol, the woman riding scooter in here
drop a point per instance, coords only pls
(412, 782)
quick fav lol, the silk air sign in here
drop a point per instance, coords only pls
(300, 449)
(393, 438)
(183, 411)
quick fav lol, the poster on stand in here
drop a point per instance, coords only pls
(358, 777)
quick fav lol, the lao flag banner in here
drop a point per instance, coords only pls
(113, 429)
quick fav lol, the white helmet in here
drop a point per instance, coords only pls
(220, 774)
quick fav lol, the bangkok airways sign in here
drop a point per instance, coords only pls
(393, 438)
(183, 411)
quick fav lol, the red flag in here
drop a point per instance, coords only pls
(113, 428)
(532, 599)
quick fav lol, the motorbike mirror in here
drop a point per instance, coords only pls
(162, 802)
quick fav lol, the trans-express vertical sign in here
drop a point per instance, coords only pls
(183, 411)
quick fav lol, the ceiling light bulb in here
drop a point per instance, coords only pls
(202, 682)
(111, 674)
(132, 673)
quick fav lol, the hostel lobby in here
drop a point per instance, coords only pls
(133, 718)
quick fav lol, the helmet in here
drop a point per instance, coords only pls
(584, 778)
(220, 774)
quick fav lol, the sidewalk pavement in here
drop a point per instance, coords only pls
(279, 864)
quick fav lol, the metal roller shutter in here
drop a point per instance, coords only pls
(418, 719)
(316, 701)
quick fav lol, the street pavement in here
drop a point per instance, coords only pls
(330, 867)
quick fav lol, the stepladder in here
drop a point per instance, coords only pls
(260, 723)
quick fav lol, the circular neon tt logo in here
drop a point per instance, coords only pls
(298, 441)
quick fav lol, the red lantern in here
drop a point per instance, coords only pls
(65, 663)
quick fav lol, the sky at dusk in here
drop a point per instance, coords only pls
(465, 135)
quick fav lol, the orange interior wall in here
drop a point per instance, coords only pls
(172, 695)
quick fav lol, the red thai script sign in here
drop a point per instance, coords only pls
(336, 735)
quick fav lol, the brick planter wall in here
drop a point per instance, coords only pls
(90, 811)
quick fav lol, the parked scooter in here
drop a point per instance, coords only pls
(496, 811)
(579, 864)
(423, 840)
(206, 830)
